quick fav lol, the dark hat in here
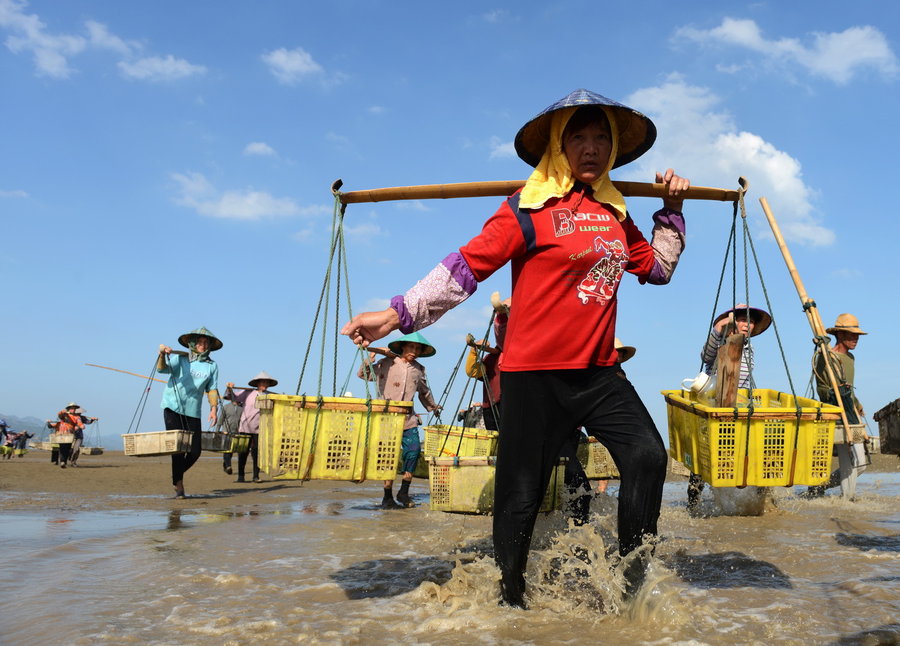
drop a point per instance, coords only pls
(396, 346)
(635, 132)
(761, 318)
(186, 338)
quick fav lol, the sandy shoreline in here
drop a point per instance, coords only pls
(116, 481)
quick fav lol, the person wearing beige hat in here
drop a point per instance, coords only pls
(851, 457)
(249, 423)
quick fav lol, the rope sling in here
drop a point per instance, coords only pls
(731, 254)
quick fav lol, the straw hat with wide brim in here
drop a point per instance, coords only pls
(263, 376)
(396, 346)
(214, 342)
(625, 351)
(761, 318)
(846, 323)
(636, 133)
(72, 405)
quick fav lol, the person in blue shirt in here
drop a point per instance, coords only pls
(191, 374)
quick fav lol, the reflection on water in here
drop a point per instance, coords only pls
(332, 569)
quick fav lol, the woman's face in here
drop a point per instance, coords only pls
(201, 344)
(587, 149)
(743, 324)
(410, 350)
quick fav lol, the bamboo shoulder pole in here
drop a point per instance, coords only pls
(134, 374)
(506, 188)
(809, 306)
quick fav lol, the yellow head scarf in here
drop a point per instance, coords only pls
(552, 177)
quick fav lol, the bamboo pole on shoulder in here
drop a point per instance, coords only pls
(812, 312)
(506, 188)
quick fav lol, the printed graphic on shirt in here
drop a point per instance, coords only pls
(564, 223)
(601, 281)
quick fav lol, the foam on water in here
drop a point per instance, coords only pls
(806, 571)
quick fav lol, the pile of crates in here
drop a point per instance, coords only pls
(780, 440)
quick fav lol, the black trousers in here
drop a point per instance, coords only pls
(181, 462)
(253, 452)
(540, 410)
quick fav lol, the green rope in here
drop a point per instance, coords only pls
(715, 307)
(336, 225)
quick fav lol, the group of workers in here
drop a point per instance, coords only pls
(569, 239)
(12, 442)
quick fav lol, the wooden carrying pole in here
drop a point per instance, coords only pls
(812, 313)
(506, 188)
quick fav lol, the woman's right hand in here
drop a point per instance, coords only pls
(371, 326)
(164, 349)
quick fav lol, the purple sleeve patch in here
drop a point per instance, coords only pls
(674, 219)
(406, 320)
(460, 272)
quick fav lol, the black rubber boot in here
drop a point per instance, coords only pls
(512, 591)
(403, 495)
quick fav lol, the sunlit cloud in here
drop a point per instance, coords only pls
(291, 66)
(836, 56)
(13, 194)
(155, 68)
(259, 148)
(53, 53)
(502, 149)
(698, 136)
(196, 192)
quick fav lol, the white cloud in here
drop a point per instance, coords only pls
(836, 56)
(196, 192)
(52, 53)
(365, 231)
(705, 144)
(154, 68)
(502, 149)
(376, 109)
(496, 16)
(291, 66)
(413, 205)
(15, 193)
(101, 38)
(259, 148)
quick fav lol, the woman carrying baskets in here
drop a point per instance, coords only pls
(570, 241)
(249, 424)
(191, 374)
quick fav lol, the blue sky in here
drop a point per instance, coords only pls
(166, 165)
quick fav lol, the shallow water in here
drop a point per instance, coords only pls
(336, 570)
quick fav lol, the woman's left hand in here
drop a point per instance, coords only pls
(212, 415)
(676, 187)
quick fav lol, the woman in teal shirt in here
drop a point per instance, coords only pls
(191, 374)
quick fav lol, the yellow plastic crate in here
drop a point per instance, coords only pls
(466, 485)
(442, 440)
(330, 438)
(596, 460)
(730, 450)
(156, 443)
(240, 443)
